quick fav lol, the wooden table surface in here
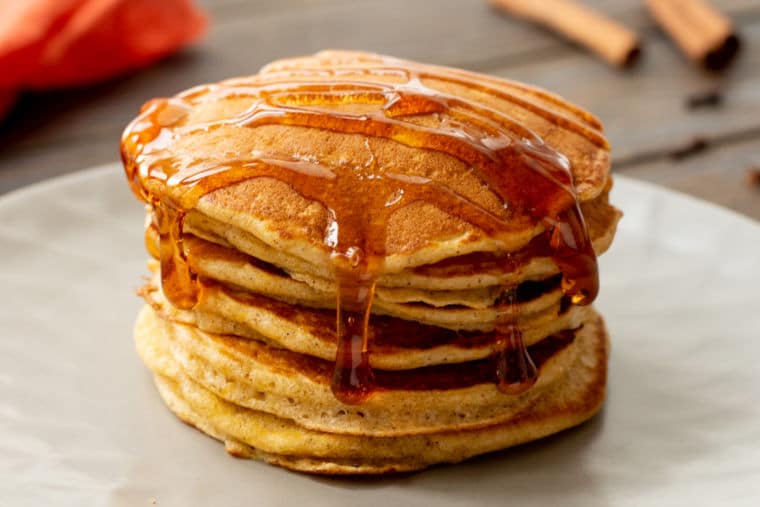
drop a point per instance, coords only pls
(644, 109)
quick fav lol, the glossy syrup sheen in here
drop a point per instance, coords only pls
(531, 178)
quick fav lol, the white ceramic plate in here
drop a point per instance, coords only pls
(81, 424)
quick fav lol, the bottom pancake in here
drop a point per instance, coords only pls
(249, 433)
(171, 393)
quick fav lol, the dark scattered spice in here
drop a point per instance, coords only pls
(695, 146)
(702, 100)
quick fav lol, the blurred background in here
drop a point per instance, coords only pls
(669, 120)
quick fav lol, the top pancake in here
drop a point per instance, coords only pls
(178, 142)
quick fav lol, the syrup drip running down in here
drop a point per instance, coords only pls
(353, 379)
(176, 277)
(532, 179)
(515, 370)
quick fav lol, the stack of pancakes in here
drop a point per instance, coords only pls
(342, 285)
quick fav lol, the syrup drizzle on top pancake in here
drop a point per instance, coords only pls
(533, 181)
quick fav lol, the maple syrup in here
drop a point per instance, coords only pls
(532, 179)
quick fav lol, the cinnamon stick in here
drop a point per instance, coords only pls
(702, 32)
(612, 41)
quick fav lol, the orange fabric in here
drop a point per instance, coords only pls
(57, 43)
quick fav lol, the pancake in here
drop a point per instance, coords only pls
(250, 373)
(274, 212)
(362, 264)
(460, 273)
(395, 344)
(561, 405)
(454, 273)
